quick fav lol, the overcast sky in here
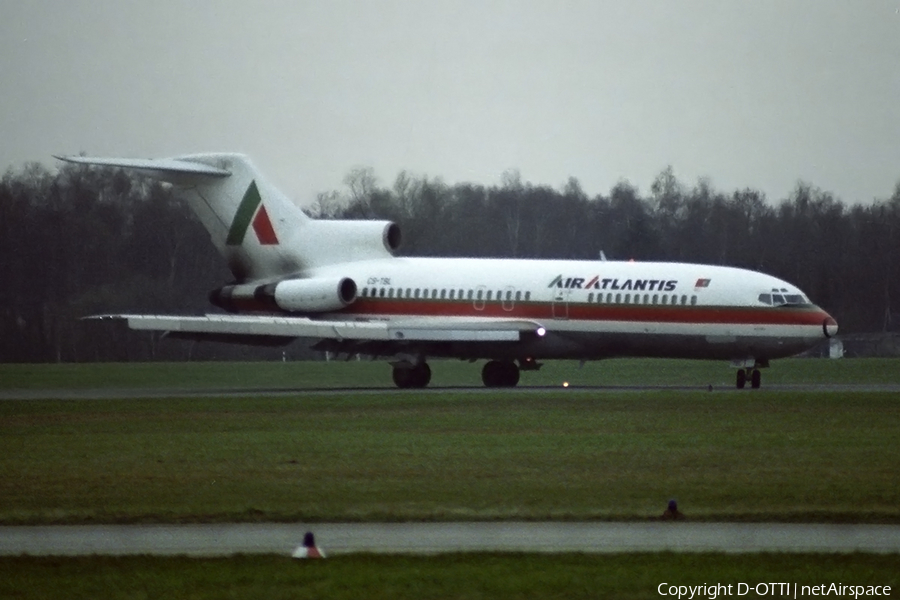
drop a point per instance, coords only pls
(754, 94)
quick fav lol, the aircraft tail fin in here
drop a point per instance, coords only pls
(262, 234)
(250, 222)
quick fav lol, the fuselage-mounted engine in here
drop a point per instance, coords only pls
(315, 295)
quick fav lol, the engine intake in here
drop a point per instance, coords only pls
(328, 242)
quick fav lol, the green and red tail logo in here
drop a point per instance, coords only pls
(251, 210)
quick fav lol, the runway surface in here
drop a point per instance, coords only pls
(431, 538)
(134, 393)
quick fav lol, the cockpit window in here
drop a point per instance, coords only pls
(778, 298)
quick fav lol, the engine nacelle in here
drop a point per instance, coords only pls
(335, 242)
(310, 295)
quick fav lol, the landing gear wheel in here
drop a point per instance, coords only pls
(403, 377)
(755, 379)
(417, 376)
(741, 379)
(500, 374)
(422, 374)
(489, 373)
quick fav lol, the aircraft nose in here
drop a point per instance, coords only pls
(829, 326)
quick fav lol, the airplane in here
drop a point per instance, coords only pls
(341, 283)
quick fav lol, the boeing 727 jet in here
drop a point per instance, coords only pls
(340, 283)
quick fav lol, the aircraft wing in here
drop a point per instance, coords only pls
(241, 327)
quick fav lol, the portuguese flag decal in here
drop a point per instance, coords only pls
(251, 211)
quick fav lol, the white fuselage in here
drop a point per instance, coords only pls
(592, 309)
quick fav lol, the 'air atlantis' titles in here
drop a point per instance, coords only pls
(581, 283)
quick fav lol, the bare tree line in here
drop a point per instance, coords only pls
(84, 241)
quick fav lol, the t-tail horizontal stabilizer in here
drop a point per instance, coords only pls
(175, 170)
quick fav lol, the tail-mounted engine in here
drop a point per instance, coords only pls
(290, 295)
(334, 242)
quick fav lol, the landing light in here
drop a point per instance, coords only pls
(565, 384)
(541, 332)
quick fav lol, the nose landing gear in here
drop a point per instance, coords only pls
(752, 374)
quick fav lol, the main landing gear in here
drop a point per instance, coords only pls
(752, 374)
(500, 373)
(496, 373)
(412, 376)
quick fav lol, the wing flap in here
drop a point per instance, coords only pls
(302, 327)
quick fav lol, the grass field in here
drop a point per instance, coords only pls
(495, 576)
(405, 455)
(342, 374)
(756, 455)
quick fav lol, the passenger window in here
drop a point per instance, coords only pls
(627, 298)
(479, 294)
(408, 293)
(452, 294)
(443, 294)
(609, 298)
(518, 296)
(488, 297)
(469, 295)
(417, 292)
(509, 295)
(618, 298)
(683, 300)
(674, 299)
(646, 298)
(590, 297)
(528, 295)
(461, 294)
(655, 298)
(665, 298)
(363, 292)
(693, 300)
(390, 292)
(381, 292)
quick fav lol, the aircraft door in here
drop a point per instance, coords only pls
(561, 303)
(479, 297)
(509, 294)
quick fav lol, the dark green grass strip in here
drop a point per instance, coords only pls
(495, 576)
(753, 456)
(340, 374)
